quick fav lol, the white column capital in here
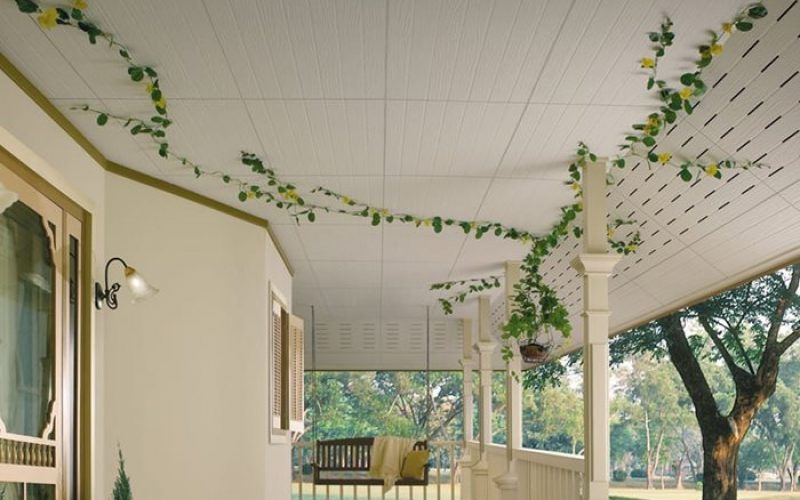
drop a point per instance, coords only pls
(595, 263)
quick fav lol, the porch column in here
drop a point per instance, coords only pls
(486, 345)
(509, 482)
(596, 265)
(466, 457)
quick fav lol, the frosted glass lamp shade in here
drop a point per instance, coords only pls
(138, 286)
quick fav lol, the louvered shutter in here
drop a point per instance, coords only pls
(296, 402)
(277, 366)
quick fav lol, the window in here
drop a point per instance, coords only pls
(286, 357)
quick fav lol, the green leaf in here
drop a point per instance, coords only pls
(155, 95)
(242, 196)
(226, 179)
(744, 26)
(652, 157)
(686, 175)
(757, 12)
(675, 102)
(376, 219)
(687, 106)
(650, 82)
(670, 116)
(162, 149)
(27, 6)
(102, 119)
(77, 14)
(653, 36)
(649, 141)
(687, 79)
(124, 53)
(150, 72)
(312, 217)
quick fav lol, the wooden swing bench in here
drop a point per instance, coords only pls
(353, 456)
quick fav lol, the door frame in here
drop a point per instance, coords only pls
(84, 399)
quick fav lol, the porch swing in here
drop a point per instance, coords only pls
(346, 462)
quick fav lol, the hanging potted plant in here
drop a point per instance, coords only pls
(534, 351)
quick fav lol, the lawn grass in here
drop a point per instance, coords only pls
(643, 494)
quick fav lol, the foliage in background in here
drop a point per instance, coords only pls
(352, 404)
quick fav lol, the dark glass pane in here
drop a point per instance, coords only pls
(11, 491)
(41, 492)
(27, 323)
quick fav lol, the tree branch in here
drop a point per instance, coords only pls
(736, 371)
(690, 371)
(773, 349)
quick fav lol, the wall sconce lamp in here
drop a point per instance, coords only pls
(139, 288)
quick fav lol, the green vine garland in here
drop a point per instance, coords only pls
(536, 305)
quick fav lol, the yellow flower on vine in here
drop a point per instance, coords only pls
(251, 195)
(575, 187)
(653, 121)
(664, 158)
(647, 62)
(727, 28)
(631, 247)
(712, 169)
(346, 200)
(290, 195)
(610, 232)
(149, 87)
(686, 93)
(385, 212)
(161, 103)
(80, 4)
(716, 49)
(47, 19)
(427, 222)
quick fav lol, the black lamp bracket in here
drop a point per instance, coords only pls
(107, 295)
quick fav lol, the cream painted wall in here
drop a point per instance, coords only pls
(30, 135)
(180, 380)
(186, 372)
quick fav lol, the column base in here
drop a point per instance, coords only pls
(596, 490)
(480, 480)
(508, 484)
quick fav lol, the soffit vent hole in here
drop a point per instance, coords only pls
(786, 11)
(770, 63)
(789, 79)
(747, 52)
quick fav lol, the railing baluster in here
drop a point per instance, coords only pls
(451, 455)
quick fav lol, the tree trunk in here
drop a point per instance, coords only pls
(679, 474)
(720, 460)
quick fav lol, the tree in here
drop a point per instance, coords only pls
(748, 329)
(122, 484)
(652, 386)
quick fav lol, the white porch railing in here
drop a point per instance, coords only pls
(543, 475)
(443, 476)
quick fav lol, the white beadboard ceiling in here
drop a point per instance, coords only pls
(466, 108)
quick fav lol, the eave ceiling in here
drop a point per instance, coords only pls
(469, 109)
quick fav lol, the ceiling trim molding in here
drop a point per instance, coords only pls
(120, 170)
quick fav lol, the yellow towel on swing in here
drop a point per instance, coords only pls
(386, 461)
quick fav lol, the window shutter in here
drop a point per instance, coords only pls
(296, 403)
(277, 366)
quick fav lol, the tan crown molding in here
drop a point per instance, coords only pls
(120, 170)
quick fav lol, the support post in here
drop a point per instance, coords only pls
(508, 483)
(466, 457)
(596, 265)
(486, 345)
